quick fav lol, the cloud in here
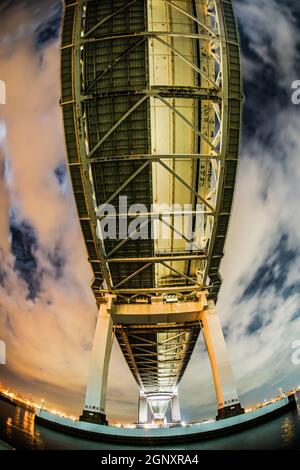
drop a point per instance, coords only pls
(43, 260)
(271, 31)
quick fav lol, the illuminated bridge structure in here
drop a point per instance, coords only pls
(151, 98)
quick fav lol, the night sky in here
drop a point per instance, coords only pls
(47, 311)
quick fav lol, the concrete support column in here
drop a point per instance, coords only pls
(143, 410)
(95, 399)
(226, 392)
(175, 409)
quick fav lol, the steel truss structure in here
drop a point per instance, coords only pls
(151, 101)
(158, 355)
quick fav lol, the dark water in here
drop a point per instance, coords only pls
(17, 428)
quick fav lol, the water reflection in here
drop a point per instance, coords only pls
(23, 422)
(288, 433)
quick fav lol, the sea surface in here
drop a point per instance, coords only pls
(17, 428)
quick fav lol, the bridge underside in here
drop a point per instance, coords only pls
(158, 354)
(151, 100)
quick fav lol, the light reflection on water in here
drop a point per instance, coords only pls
(21, 423)
(17, 428)
(288, 433)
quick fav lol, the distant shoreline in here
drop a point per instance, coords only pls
(16, 402)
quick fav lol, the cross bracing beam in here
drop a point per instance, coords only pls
(129, 237)
(176, 111)
(108, 17)
(158, 290)
(153, 158)
(156, 259)
(182, 181)
(197, 93)
(155, 214)
(194, 18)
(151, 35)
(117, 124)
(134, 274)
(111, 65)
(159, 95)
(188, 62)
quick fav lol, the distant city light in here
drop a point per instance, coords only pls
(19, 399)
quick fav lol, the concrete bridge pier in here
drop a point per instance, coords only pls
(95, 399)
(226, 392)
(175, 409)
(143, 409)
